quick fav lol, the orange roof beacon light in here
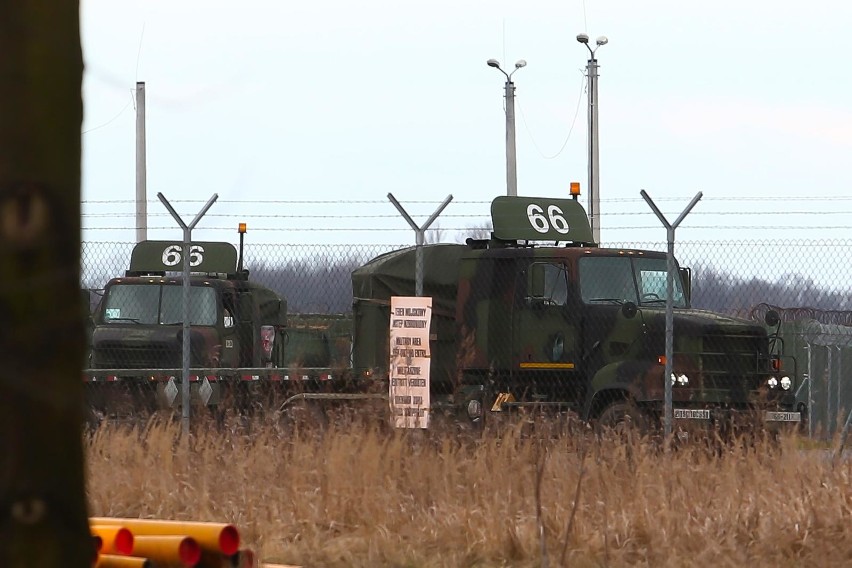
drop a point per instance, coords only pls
(575, 189)
(241, 229)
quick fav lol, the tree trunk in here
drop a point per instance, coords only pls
(43, 517)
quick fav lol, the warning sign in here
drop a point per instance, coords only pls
(410, 357)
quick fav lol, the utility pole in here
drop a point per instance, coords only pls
(141, 179)
(511, 160)
(594, 166)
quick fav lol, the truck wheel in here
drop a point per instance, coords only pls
(622, 417)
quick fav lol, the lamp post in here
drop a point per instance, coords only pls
(511, 162)
(594, 168)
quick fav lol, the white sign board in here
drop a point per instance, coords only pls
(410, 358)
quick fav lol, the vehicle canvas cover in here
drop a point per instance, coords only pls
(393, 274)
(272, 308)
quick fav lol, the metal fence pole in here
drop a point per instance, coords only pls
(670, 273)
(420, 238)
(810, 391)
(187, 239)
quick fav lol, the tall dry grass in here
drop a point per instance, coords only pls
(353, 493)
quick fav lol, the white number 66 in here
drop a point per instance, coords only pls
(172, 255)
(540, 223)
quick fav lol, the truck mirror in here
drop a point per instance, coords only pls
(686, 280)
(536, 281)
(628, 310)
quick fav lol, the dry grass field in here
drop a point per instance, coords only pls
(353, 493)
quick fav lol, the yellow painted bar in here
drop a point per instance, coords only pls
(115, 539)
(547, 365)
(218, 537)
(168, 549)
(118, 561)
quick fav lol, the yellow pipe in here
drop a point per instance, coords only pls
(114, 539)
(117, 561)
(216, 537)
(168, 549)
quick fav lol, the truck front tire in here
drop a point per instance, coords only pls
(622, 417)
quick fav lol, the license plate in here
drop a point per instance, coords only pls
(773, 416)
(692, 414)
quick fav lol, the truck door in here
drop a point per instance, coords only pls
(545, 336)
(230, 337)
(246, 330)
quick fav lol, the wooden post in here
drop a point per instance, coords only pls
(43, 517)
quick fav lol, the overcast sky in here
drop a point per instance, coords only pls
(268, 103)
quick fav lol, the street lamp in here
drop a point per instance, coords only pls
(594, 166)
(511, 163)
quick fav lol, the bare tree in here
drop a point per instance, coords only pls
(42, 489)
(479, 232)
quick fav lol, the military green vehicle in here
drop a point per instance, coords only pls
(568, 325)
(237, 330)
(318, 345)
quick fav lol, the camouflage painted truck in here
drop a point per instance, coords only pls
(237, 331)
(569, 325)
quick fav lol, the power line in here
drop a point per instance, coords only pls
(110, 121)
(570, 130)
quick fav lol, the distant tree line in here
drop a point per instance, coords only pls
(325, 286)
(726, 293)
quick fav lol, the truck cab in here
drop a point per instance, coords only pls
(237, 328)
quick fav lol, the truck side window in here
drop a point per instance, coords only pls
(555, 290)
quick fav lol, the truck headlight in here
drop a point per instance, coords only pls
(680, 379)
(786, 383)
(772, 382)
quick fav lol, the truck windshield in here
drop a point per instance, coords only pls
(619, 279)
(155, 303)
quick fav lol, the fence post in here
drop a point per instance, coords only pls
(420, 238)
(670, 273)
(187, 239)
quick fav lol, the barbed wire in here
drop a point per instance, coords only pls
(391, 214)
(469, 228)
(705, 198)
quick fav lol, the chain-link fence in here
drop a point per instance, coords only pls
(728, 277)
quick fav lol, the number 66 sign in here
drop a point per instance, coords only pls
(540, 218)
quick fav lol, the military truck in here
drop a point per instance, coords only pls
(237, 330)
(540, 316)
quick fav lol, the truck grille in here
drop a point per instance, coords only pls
(732, 361)
(150, 356)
